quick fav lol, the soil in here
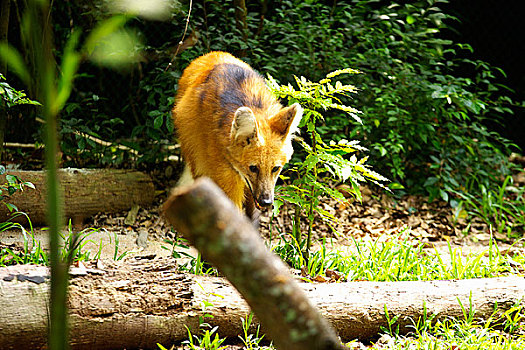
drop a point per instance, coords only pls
(378, 217)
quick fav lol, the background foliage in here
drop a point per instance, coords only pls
(426, 100)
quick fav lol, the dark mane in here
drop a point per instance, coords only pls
(231, 81)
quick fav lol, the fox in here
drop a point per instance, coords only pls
(232, 129)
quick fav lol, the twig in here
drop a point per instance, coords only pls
(182, 39)
(22, 145)
(108, 144)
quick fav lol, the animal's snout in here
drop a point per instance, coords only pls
(265, 200)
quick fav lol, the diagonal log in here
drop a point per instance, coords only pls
(212, 223)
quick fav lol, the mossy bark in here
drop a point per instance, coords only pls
(240, 22)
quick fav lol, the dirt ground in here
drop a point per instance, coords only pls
(378, 217)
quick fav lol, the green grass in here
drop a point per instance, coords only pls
(395, 259)
(501, 331)
(75, 244)
(208, 339)
(252, 341)
(194, 265)
(398, 259)
(502, 208)
(73, 249)
(31, 252)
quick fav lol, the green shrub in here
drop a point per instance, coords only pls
(323, 162)
(423, 120)
(12, 185)
(424, 123)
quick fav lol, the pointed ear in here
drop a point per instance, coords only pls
(286, 121)
(244, 126)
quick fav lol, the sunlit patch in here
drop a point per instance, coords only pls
(149, 9)
(118, 49)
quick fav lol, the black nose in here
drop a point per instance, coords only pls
(265, 201)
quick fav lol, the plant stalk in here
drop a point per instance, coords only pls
(297, 225)
(41, 42)
(4, 29)
(312, 200)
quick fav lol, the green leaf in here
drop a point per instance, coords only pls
(311, 126)
(396, 186)
(444, 195)
(70, 63)
(11, 179)
(81, 144)
(118, 49)
(28, 184)
(411, 19)
(310, 161)
(11, 207)
(152, 9)
(276, 207)
(11, 190)
(15, 62)
(431, 181)
(335, 194)
(157, 122)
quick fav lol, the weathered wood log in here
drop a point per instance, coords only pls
(85, 191)
(226, 238)
(139, 302)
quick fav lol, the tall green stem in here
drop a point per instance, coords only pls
(297, 224)
(40, 36)
(312, 198)
(5, 6)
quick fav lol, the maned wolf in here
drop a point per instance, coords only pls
(233, 130)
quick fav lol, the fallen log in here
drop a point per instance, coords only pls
(141, 302)
(85, 193)
(226, 238)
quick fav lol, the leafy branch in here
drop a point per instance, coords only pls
(324, 162)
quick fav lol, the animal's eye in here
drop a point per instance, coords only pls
(276, 169)
(254, 169)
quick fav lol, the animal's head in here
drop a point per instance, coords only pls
(260, 147)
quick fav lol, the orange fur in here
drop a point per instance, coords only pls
(232, 129)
